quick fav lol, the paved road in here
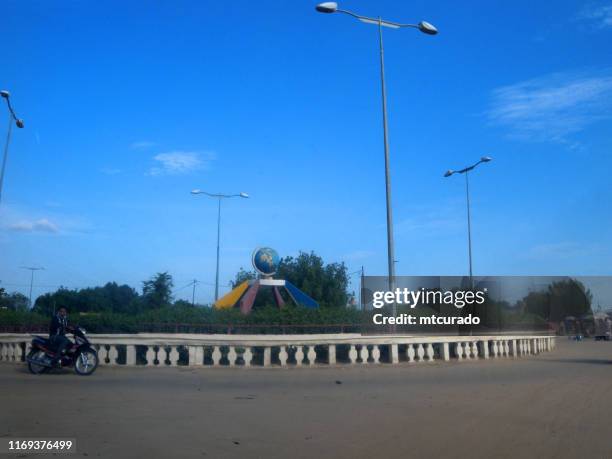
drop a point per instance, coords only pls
(556, 405)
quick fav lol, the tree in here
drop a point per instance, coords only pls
(14, 301)
(568, 297)
(157, 291)
(109, 298)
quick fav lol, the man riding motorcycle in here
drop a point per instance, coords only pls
(57, 334)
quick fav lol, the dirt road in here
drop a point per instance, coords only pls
(555, 405)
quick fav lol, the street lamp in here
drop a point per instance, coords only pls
(32, 269)
(425, 27)
(219, 197)
(18, 122)
(448, 173)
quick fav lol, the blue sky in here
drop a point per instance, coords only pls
(130, 105)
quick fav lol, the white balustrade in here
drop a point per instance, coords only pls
(210, 351)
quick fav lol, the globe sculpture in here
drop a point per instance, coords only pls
(265, 261)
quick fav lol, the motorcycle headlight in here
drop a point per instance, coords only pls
(83, 331)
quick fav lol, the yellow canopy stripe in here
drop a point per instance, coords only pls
(229, 300)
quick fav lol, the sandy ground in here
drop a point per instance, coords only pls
(555, 405)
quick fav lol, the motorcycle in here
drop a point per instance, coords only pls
(79, 354)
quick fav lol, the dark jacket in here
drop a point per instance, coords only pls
(59, 326)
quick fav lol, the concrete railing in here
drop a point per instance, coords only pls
(159, 350)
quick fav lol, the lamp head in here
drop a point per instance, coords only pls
(485, 159)
(5, 94)
(427, 28)
(243, 195)
(449, 172)
(196, 191)
(19, 123)
(327, 7)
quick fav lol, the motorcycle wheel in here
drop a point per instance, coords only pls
(86, 362)
(34, 368)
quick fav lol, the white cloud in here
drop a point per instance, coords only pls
(550, 108)
(180, 162)
(599, 16)
(42, 225)
(142, 145)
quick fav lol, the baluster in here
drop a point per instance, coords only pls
(474, 350)
(113, 354)
(216, 356)
(376, 353)
(331, 349)
(150, 356)
(102, 354)
(18, 352)
(466, 351)
(247, 356)
(299, 356)
(494, 348)
(410, 353)
(430, 352)
(312, 355)
(11, 352)
(363, 353)
(231, 356)
(173, 356)
(420, 352)
(352, 354)
(507, 347)
(459, 351)
(283, 356)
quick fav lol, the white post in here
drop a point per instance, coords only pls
(267, 357)
(331, 350)
(130, 355)
(394, 354)
(445, 352)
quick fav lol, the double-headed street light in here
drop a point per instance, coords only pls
(448, 173)
(19, 123)
(219, 197)
(425, 27)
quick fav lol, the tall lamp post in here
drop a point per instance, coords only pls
(425, 27)
(219, 197)
(465, 171)
(19, 123)
(32, 269)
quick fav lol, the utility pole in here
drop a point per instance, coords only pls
(32, 269)
(193, 292)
